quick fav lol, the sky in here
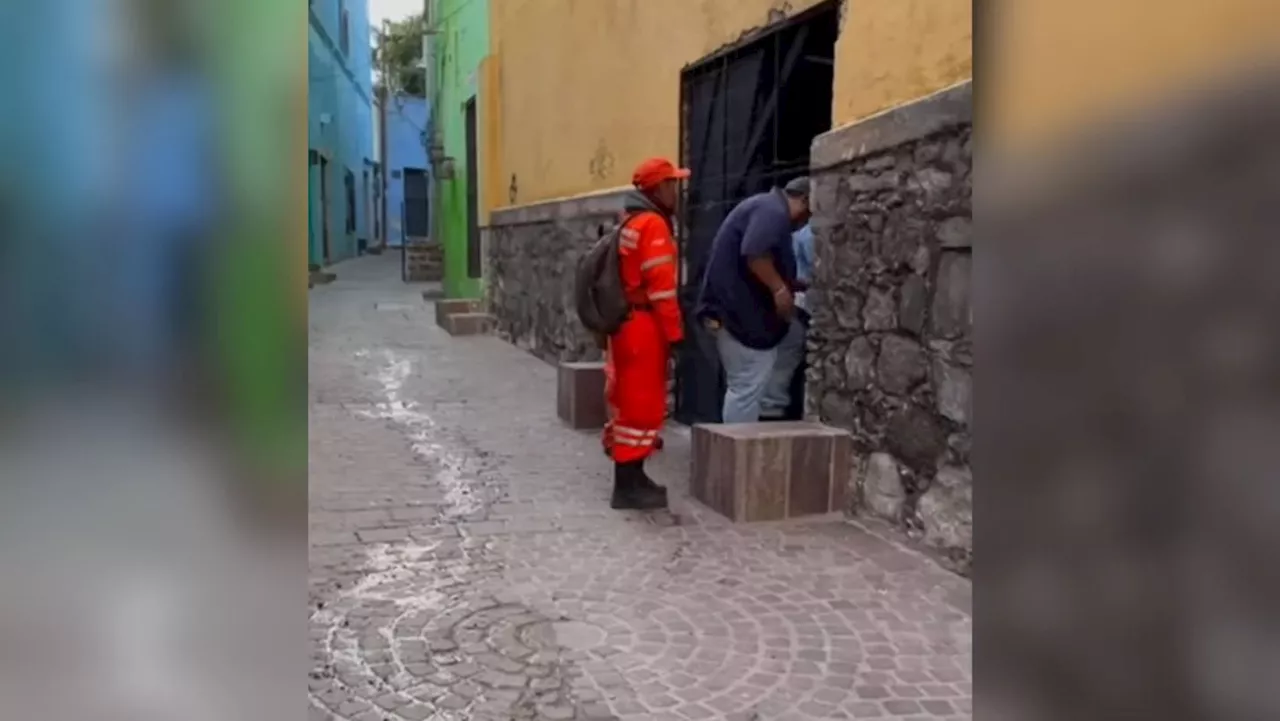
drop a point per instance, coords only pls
(380, 10)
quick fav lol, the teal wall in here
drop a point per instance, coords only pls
(342, 87)
(462, 43)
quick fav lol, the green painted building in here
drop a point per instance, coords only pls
(457, 46)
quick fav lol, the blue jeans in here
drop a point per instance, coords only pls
(747, 372)
(777, 391)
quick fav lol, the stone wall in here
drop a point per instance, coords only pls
(531, 253)
(890, 349)
(424, 260)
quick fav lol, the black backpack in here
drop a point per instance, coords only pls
(601, 302)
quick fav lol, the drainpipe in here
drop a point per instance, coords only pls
(433, 141)
(383, 182)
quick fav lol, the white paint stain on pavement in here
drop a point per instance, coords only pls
(410, 582)
(462, 497)
(413, 584)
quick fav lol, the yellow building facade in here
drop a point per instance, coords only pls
(579, 91)
(1057, 66)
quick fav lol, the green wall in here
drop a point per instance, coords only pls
(462, 43)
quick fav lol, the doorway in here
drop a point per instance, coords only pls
(378, 208)
(366, 207)
(324, 211)
(417, 205)
(473, 193)
(748, 116)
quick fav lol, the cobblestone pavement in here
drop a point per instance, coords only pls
(465, 563)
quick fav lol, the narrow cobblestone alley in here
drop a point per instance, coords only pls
(465, 563)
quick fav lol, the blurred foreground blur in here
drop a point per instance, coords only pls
(152, 462)
(1129, 407)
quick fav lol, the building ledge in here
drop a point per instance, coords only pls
(910, 121)
(600, 202)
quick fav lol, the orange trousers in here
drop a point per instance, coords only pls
(635, 373)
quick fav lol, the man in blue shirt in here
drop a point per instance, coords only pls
(777, 393)
(747, 292)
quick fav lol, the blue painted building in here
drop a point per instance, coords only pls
(343, 179)
(408, 169)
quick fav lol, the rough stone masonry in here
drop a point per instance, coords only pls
(532, 252)
(890, 347)
(424, 260)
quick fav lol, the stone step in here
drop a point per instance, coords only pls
(454, 306)
(770, 471)
(424, 260)
(580, 394)
(321, 277)
(460, 324)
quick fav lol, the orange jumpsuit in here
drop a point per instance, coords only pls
(636, 357)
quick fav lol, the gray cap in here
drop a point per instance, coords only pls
(797, 187)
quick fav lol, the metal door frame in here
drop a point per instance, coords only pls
(323, 162)
(703, 362)
(405, 174)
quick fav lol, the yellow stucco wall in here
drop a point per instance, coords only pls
(589, 88)
(893, 51)
(1056, 66)
(489, 120)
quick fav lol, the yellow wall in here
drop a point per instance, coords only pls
(489, 119)
(584, 89)
(1056, 66)
(893, 51)
(589, 88)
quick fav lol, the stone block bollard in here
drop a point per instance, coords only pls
(770, 471)
(468, 323)
(580, 394)
(454, 306)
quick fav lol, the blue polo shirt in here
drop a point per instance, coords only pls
(802, 244)
(759, 225)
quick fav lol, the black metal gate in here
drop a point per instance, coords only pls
(748, 115)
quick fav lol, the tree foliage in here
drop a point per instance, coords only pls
(398, 56)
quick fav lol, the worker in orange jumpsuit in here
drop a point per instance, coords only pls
(636, 356)
(606, 434)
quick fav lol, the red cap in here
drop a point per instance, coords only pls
(654, 171)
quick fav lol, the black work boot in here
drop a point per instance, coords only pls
(647, 482)
(629, 491)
